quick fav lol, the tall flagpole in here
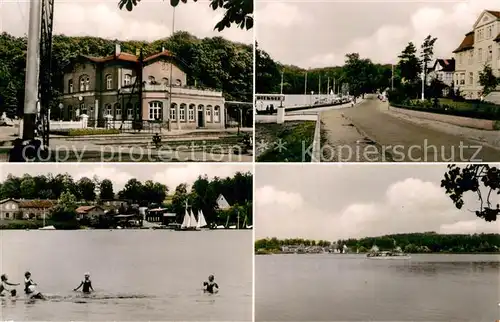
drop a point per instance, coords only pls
(305, 87)
(319, 87)
(392, 77)
(281, 92)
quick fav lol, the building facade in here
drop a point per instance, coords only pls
(480, 47)
(8, 209)
(104, 88)
(443, 71)
(25, 209)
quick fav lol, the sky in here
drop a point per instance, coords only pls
(352, 201)
(320, 33)
(150, 20)
(119, 173)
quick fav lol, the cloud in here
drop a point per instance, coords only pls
(119, 178)
(280, 15)
(409, 205)
(176, 175)
(150, 20)
(268, 195)
(379, 31)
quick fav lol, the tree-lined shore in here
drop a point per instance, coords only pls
(68, 194)
(429, 242)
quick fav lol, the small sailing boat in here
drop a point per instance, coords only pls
(202, 223)
(46, 227)
(189, 222)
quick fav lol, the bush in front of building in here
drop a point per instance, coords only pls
(473, 109)
(83, 132)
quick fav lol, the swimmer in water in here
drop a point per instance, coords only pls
(29, 288)
(210, 286)
(87, 285)
(4, 286)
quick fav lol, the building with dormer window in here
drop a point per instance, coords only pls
(106, 89)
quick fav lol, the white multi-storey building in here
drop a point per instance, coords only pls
(480, 47)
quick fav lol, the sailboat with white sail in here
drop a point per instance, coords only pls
(189, 222)
(202, 223)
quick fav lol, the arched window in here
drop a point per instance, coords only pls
(208, 113)
(151, 80)
(70, 86)
(109, 82)
(130, 109)
(173, 113)
(127, 80)
(164, 81)
(118, 110)
(84, 83)
(182, 112)
(108, 109)
(216, 114)
(155, 110)
(191, 112)
(178, 82)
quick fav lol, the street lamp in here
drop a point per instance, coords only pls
(61, 107)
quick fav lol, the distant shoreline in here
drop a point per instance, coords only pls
(430, 253)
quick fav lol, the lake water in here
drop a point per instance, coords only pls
(353, 288)
(138, 275)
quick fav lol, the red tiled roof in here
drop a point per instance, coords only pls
(164, 53)
(467, 43)
(36, 204)
(85, 209)
(128, 57)
(122, 56)
(447, 64)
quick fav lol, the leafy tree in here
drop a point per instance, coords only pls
(65, 209)
(86, 187)
(267, 72)
(154, 192)
(133, 190)
(488, 80)
(427, 53)
(409, 64)
(106, 190)
(239, 12)
(28, 187)
(480, 179)
(11, 188)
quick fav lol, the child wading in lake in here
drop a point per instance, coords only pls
(210, 286)
(29, 287)
(87, 285)
(4, 286)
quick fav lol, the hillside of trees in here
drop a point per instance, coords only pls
(429, 242)
(211, 62)
(362, 75)
(202, 194)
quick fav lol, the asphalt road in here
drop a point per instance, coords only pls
(372, 135)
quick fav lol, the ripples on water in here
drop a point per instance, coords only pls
(354, 288)
(138, 275)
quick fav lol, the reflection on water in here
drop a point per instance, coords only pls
(354, 288)
(140, 275)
